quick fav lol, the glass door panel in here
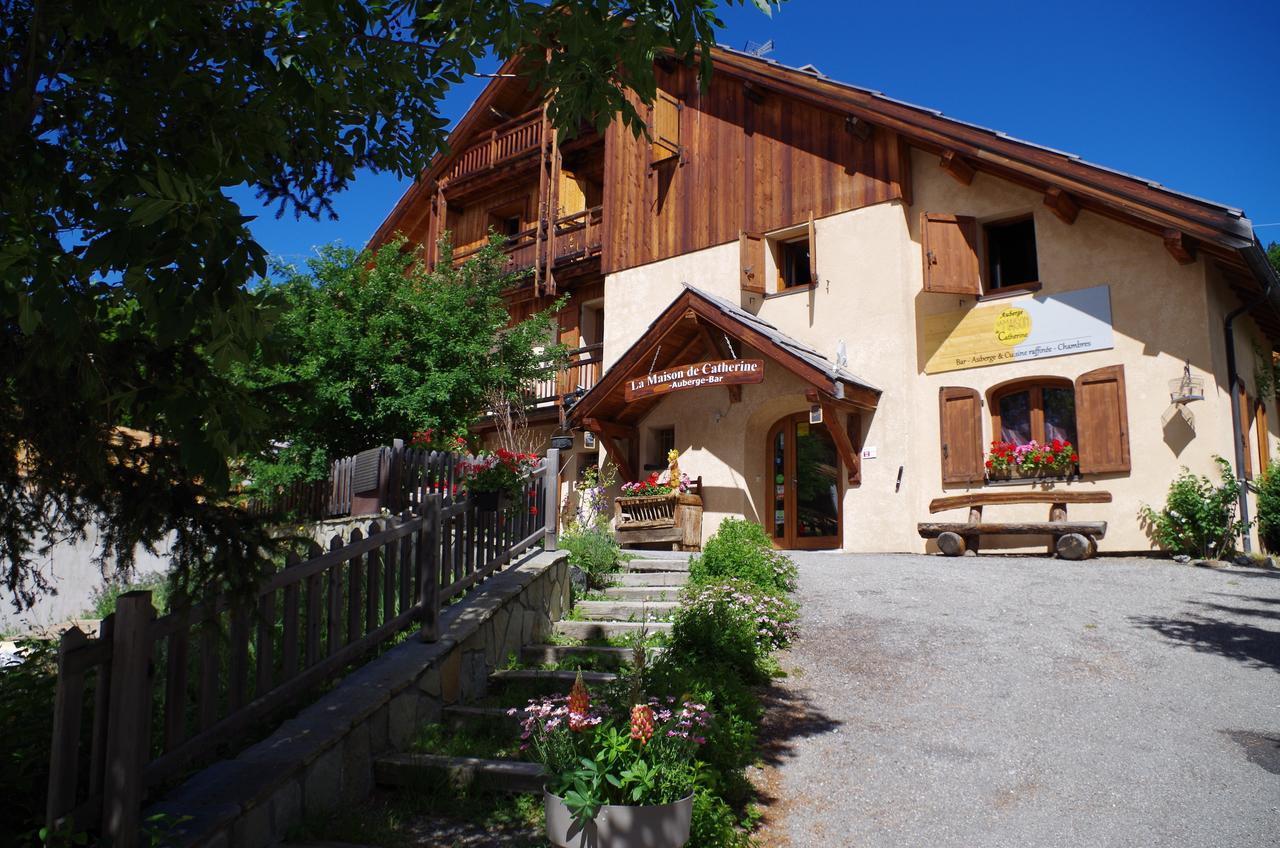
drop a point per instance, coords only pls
(817, 482)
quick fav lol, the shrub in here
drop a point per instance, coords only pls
(592, 549)
(742, 549)
(1268, 485)
(26, 726)
(102, 602)
(732, 621)
(1199, 518)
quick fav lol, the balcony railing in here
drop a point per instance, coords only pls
(572, 381)
(574, 237)
(505, 142)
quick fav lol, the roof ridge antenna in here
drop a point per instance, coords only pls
(759, 49)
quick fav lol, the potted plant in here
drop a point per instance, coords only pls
(616, 782)
(1031, 460)
(489, 475)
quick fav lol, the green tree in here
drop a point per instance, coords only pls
(124, 266)
(1273, 253)
(378, 348)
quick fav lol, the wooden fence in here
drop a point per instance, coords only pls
(151, 697)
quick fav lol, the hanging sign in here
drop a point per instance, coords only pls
(1034, 328)
(721, 372)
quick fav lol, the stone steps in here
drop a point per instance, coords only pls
(653, 578)
(621, 610)
(656, 565)
(558, 653)
(644, 593)
(468, 712)
(464, 772)
(609, 629)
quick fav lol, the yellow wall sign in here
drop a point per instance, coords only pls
(1041, 327)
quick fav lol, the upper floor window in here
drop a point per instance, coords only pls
(794, 263)
(1011, 253)
(957, 261)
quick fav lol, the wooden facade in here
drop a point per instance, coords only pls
(747, 162)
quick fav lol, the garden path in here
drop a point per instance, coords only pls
(998, 701)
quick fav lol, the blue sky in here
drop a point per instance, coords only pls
(1182, 93)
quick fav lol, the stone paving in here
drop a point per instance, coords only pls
(1000, 701)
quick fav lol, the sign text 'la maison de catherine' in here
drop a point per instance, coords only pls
(720, 372)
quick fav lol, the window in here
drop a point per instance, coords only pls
(1039, 412)
(1011, 253)
(951, 254)
(1091, 413)
(793, 264)
(1263, 433)
(509, 226)
(664, 441)
(508, 219)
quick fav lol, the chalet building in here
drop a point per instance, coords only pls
(832, 303)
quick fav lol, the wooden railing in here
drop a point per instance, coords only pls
(210, 672)
(574, 237)
(507, 141)
(580, 373)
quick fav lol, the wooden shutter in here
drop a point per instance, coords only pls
(752, 261)
(950, 244)
(813, 253)
(665, 132)
(960, 414)
(1262, 433)
(1102, 421)
(1246, 421)
(854, 428)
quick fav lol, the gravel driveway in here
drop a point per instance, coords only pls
(996, 701)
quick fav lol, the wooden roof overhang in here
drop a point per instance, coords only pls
(1188, 225)
(697, 325)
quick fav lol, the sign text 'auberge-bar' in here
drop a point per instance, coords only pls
(721, 372)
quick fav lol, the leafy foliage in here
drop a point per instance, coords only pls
(377, 347)
(742, 549)
(1268, 486)
(592, 548)
(1198, 518)
(26, 725)
(1273, 254)
(732, 621)
(125, 267)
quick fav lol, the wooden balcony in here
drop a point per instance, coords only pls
(572, 238)
(505, 143)
(571, 382)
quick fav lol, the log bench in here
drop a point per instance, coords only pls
(1073, 540)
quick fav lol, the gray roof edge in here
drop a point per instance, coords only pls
(790, 344)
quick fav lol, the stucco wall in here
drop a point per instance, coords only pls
(870, 296)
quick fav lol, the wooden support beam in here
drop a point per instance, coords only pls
(1180, 246)
(612, 428)
(956, 165)
(620, 458)
(840, 436)
(1061, 204)
(860, 129)
(753, 92)
(735, 394)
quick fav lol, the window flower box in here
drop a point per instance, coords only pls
(1007, 461)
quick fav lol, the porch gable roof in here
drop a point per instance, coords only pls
(689, 326)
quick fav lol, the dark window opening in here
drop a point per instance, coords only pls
(509, 226)
(793, 264)
(1011, 253)
(664, 441)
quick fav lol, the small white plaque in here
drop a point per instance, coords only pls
(869, 453)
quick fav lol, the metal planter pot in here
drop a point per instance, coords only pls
(657, 826)
(564, 442)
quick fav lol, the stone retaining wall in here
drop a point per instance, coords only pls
(323, 758)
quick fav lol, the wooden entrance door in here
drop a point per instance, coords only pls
(803, 498)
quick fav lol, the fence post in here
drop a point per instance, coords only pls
(427, 563)
(64, 751)
(128, 740)
(551, 497)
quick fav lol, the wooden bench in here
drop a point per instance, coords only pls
(1071, 539)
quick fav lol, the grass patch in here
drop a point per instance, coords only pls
(474, 737)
